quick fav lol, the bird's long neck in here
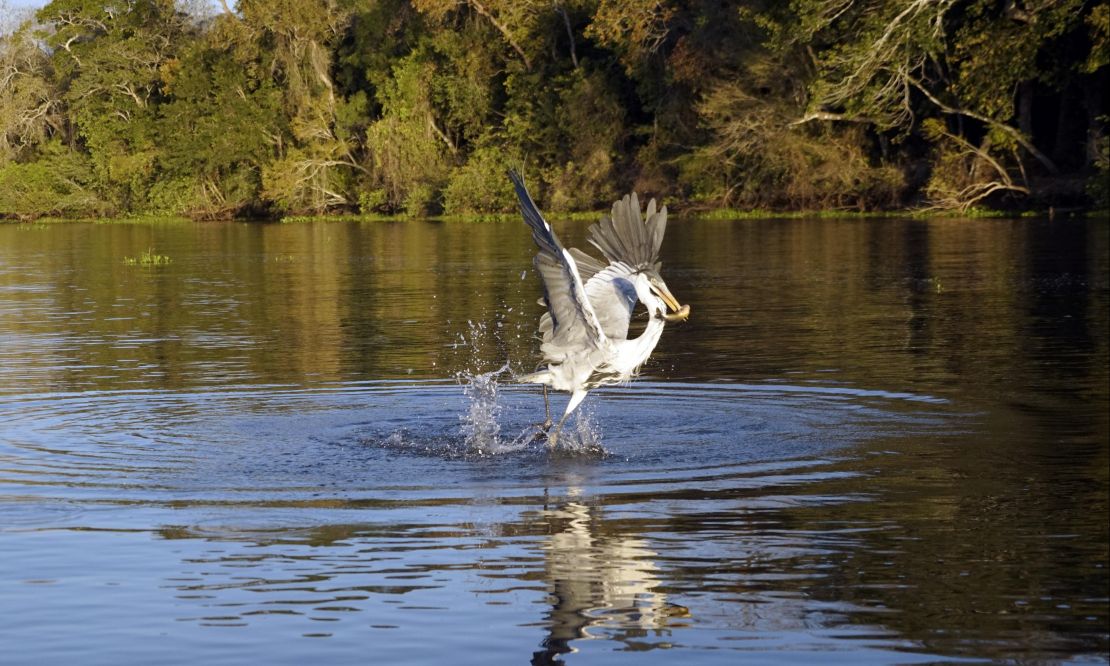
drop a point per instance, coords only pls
(646, 341)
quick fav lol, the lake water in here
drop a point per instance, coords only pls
(875, 441)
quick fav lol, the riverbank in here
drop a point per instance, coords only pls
(714, 214)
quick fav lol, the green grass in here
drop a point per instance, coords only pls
(349, 217)
(124, 219)
(145, 220)
(971, 213)
(148, 258)
(461, 217)
(592, 216)
(761, 214)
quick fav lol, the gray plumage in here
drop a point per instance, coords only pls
(625, 236)
(590, 302)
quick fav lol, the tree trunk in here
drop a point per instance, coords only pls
(570, 35)
(1025, 108)
(1063, 148)
(979, 163)
(1095, 130)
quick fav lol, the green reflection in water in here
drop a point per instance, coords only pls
(973, 525)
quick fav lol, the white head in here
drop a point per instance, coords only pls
(654, 294)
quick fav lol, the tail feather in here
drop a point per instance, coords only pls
(538, 377)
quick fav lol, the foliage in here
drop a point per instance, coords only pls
(946, 72)
(406, 150)
(220, 125)
(58, 183)
(380, 107)
(756, 158)
(590, 128)
(480, 186)
(29, 104)
(1099, 184)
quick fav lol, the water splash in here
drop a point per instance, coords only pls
(480, 426)
(582, 434)
(479, 432)
(482, 423)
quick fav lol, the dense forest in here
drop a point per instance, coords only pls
(417, 107)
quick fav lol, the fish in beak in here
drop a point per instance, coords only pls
(681, 312)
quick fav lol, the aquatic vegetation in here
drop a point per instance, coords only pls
(148, 258)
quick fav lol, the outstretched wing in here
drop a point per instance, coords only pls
(626, 237)
(613, 298)
(611, 295)
(587, 265)
(573, 321)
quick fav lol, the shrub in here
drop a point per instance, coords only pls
(58, 183)
(1098, 187)
(480, 185)
(371, 201)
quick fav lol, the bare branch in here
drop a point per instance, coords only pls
(946, 196)
(570, 34)
(1013, 132)
(480, 8)
(826, 115)
(440, 133)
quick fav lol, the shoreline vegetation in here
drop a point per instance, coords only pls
(723, 214)
(401, 109)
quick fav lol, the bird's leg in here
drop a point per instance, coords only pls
(542, 428)
(546, 411)
(575, 400)
(553, 436)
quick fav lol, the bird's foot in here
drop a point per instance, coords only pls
(541, 432)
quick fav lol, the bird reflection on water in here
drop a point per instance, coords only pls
(599, 580)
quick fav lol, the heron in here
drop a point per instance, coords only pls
(590, 302)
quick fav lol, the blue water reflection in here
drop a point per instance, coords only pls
(876, 442)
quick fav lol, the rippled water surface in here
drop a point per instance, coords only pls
(878, 441)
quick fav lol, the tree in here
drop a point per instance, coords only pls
(221, 122)
(108, 60)
(277, 106)
(944, 67)
(30, 110)
(309, 173)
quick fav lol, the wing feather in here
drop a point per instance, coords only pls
(587, 268)
(587, 265)
(572, 318)
(613, 298)
(627, 237)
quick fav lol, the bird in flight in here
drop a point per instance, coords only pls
(590, 302)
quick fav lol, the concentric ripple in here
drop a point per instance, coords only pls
(402, 444)
(371, 506)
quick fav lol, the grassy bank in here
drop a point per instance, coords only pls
(591, 216)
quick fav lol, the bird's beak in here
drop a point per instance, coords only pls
(681, 312)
